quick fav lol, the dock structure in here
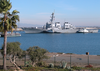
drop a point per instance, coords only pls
(18, 29)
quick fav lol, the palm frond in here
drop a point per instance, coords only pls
(1, 23)
(9, 6)
(15, 12)
(9, 14)
(15, 18)
(0, 10)
(11, 18)
(14, 25)
(5, 5)
(2, 19)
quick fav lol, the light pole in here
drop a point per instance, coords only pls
(55, 59)
(25, 58)
(87, 53)
(70, 60)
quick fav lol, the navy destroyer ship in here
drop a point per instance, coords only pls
(55, 27)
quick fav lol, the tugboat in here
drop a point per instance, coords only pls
(84, 30)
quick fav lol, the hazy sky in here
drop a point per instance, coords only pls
(77, 12)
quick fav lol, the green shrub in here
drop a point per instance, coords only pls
(40, 64)
(76, 68)
(64, 65)
(51, 65)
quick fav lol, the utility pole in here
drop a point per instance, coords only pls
(70, 60)
(87, 53)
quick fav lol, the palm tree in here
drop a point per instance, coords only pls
(7, 21)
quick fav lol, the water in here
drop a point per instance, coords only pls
(77, 43)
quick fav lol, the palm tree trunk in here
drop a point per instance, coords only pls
(5, 44)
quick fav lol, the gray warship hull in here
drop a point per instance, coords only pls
(67, 30)
(33, 30)
(40, 30)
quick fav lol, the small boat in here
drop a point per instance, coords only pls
(84, 30)
(93, 30)
(12, 34)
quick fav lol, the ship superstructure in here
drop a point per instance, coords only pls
(56, 27)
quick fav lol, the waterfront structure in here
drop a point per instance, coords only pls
(55, 27)
(11, 34)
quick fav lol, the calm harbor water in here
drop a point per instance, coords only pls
(77, 43)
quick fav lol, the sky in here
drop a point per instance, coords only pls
(35, 13)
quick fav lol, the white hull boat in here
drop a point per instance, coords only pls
(12, 34)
